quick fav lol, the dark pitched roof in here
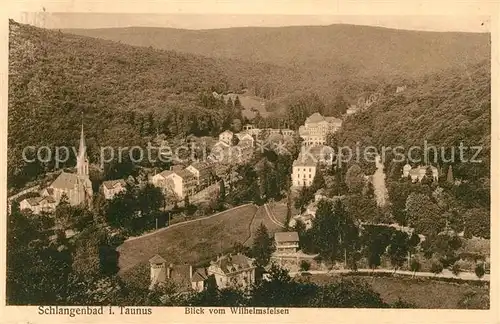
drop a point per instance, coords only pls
(157, 259)
(233, 263)
(35, 201)
(286, 237)
(184, 174)
(110, 184)
(315, 118)
(199, 275)
(305, 161)
(65, 181)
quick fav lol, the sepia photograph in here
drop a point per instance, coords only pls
(247, 164)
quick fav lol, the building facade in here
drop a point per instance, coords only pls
(235, 271)
(38, 205)
(418, 173)
(316, 128)
(111, 188)
(303, 171)
(203, 172)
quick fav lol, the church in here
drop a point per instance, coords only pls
(77, 187)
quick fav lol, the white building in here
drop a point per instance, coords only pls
(226, 136)
(287, 253)
(245, 139)
(111, 188)
(235, 271)
(352, 110)
(303, 171)
(180, 183)
(316, 128)
(38, 204)
(418, 173)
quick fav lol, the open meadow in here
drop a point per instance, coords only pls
(190, 242)
(422, 293)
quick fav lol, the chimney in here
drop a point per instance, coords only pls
(190, 272)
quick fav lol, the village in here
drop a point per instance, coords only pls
(187, 183)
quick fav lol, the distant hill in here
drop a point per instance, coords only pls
(124, 92)
(338, 50)
(444, 109)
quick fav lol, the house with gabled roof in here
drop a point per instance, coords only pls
(287, 253)
(182, 276)
(180, 183)
(245, 139)
(38, 204)
(110, 188)
(236, 271)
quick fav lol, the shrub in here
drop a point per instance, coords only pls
(436, 267)
(479, 270)
(455, 269)
(415, 265)
(304, 265)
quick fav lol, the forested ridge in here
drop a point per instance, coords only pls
(445, 110)
(334, 52)
(123, 92)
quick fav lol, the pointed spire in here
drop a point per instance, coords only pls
(82, 147)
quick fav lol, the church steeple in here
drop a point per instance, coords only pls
(82, 163)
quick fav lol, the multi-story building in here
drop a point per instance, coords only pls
(178, 183)
(235, 271)
(203, 172)
(303, 171)
(245, 139)
(286, 242)
(287, 253)
(183, 276)
(316, 128)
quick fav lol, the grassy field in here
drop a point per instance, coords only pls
(423, 293)
(251, 105)
(261, 217)
(192, 242)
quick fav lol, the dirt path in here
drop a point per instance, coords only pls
(271, 216)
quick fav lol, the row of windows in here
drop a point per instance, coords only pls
(303, 183)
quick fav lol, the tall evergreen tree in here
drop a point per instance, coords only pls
(262, 246)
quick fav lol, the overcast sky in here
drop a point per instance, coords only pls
(210, 21)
